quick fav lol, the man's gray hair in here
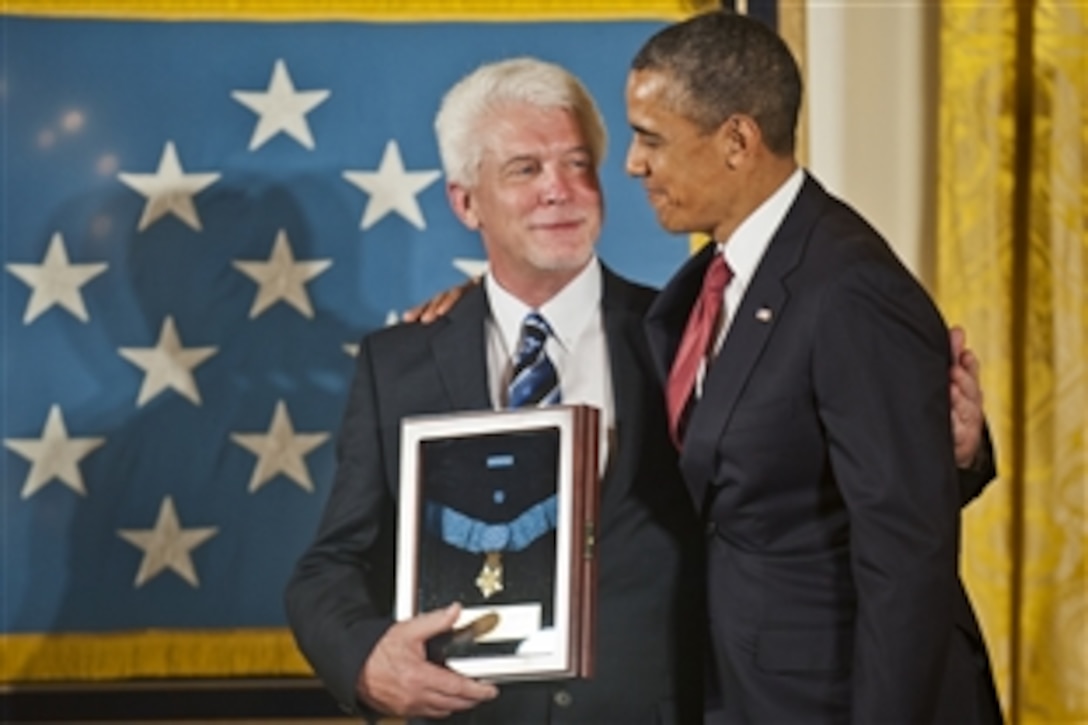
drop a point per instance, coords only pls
(467, 106)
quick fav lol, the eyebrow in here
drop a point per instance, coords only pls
(643, 130)
(517, 158)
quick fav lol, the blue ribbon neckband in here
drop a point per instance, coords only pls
(472, 535)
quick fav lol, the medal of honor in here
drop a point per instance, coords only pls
(491, 539)
(489, 581)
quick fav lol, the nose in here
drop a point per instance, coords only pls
(556, 188)
(635, 162)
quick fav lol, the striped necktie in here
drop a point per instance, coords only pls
(534, 381)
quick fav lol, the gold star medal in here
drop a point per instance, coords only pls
(489, 580)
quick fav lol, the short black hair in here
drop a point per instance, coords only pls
(725, 63)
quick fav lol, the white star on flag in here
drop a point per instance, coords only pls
(472, 268)
(281, 108)
(391, 188)
(169, 190)
(168, 364)
(167, 546)
(56, 281)
(281, 450)
(282, 278)
(53, 455)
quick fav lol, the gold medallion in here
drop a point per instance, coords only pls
(489, 580)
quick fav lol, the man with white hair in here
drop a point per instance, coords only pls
(521, 141)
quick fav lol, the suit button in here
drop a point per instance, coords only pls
(711, 528)
(562, 698)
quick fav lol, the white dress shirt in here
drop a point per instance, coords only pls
(745, 248)
(578, 348)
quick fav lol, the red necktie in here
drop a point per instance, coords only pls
(695, 343)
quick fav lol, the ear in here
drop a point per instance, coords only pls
(462, 203)
(739, 137)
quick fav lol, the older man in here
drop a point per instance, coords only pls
(520, 142)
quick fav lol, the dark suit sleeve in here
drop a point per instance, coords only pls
(974, 480)
(338, 596)
(880, 366)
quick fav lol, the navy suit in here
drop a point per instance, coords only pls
(820, 457)
(650, 623)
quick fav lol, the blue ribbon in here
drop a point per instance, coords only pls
(475, 536)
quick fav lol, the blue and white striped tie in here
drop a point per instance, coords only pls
(534, 381)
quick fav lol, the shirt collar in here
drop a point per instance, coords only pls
(745, 247)
(568, 312)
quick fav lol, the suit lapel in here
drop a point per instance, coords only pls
(668, 315)
(460, 352)
(460, 356)
(752, 325)
(623, 331)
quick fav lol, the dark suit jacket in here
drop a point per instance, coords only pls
(820, 456)
(650, 596)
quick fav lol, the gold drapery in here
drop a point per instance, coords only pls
(1012, 266)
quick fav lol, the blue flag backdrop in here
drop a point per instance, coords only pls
(200, 219)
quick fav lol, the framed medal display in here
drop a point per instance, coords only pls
(498, 511)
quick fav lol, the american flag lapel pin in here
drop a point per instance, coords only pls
(764, 314)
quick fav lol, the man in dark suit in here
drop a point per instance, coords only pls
(813, 413)
(520, 143)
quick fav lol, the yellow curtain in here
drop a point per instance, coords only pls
(1012, 266)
